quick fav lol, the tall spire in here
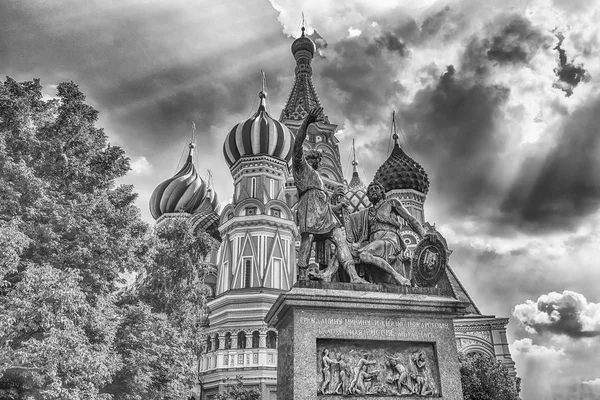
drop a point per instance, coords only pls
(355, 182)
(303, 96)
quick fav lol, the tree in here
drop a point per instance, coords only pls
(485, 378)
(239, 392)
(160, 337)
(69, 234)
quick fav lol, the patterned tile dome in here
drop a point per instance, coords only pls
(184, 192)
(356, 193)
(259, 135)
(400, 171)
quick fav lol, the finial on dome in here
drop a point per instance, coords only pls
(263, 93)
(354, 162)
(395, 135)
(192, 144)
(303, 24)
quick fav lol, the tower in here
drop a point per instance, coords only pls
(321, 135)
(257, 255)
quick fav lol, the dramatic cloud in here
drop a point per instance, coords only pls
(558, 189)
(568, 313)
(569, 75)
(516, 42)
(454, 125)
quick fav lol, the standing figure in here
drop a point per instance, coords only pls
(315, 216)
(400, 374)
(360, 372)
(326, 368)
(419, 374)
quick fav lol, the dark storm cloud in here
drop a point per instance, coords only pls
(363, 70)
(566, 313)
(454, 128)
(558, 190)
(149, 69)
(516, 42)
(569, 75)
(509, 40)
(391, 43)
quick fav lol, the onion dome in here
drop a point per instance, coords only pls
(185, 192)
(356, 193)
(400, 171)
(208, 222)
(259, 135)
(303, 43)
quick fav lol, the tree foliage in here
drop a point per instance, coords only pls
(68, 233)
(485, 378)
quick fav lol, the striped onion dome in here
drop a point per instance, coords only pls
(356, 193)
(185, 192)
(259, 135)
(400, 171)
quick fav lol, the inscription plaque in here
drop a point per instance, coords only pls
(377, 367)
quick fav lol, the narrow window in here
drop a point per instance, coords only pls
(253, 189)
(255, 339)
(241, 337)
(272, 188)
(228, 341)
(271, 340)
(248, 273)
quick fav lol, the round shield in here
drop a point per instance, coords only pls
(429, 262)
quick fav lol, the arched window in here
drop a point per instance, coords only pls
(255, 339)
(241, 340)
(228, 341)
(208, 345)
(217, 344)
(271, 340)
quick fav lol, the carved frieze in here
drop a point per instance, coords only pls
(367, 367)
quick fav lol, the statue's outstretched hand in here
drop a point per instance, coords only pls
(313, 115)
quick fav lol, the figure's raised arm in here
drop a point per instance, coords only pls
(408, 217)
(312, 116)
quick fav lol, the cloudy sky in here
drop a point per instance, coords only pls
(499, 101)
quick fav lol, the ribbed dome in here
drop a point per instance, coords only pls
(303, 43)
(259, 135)
(400, 171)
(184, 192)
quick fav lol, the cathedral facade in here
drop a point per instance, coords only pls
(255, 238)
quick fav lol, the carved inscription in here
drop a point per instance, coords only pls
(377, 367)
(373, 328)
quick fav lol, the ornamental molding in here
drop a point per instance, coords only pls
(258, 220)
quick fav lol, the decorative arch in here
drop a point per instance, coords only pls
(472, 344)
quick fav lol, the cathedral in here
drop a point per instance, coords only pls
(255, 237)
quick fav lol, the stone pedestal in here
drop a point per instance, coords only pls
(366, 341)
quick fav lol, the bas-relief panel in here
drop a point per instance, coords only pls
(377, 367)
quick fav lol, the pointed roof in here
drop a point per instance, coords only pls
(303, 96)
(357, 191)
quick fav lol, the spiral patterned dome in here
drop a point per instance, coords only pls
(303, 43)
(184, 192)
(400, 171)
(259, 135)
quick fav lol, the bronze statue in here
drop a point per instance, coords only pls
(375, 235)
(380, 227)
(315, 217)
